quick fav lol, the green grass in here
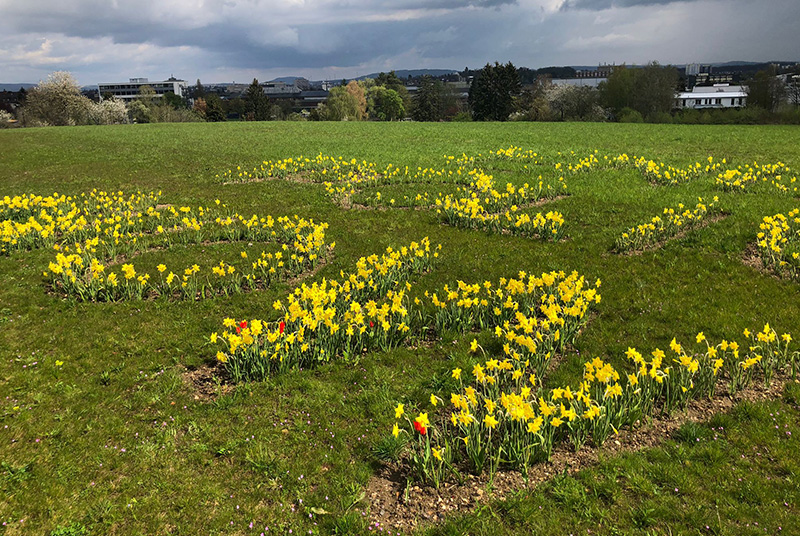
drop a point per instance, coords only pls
(195, 467)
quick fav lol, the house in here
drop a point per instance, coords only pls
(130, 90)
(716, 96)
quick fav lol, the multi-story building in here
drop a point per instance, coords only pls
(130, 90)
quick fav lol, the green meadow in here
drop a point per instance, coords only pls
(116, 440)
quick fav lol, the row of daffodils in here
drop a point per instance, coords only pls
(500, 416)
(671, 222)
(93, 235)
(778, 243)
(343, 177)
(370, 308)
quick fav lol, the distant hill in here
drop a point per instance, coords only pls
(414, 73)
(15, 87)
(733, 63)
(286, 79)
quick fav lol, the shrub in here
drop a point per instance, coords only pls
(5, 119)
(629, 115)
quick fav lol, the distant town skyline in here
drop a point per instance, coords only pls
(234, 40)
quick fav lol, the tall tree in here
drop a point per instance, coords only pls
(655, 89)
(617, 91)
(391, 81)
(214, 110)
(357, 91)
(493, 90)
(257, 107)
(765, 90)
(199, 91)
(427, 103)
(57, 101)
(649, 90)
(385, 104)
(340, 106)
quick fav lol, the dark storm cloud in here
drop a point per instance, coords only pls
(307, 45)
(597, 5)
(447, 4)
(236, 39)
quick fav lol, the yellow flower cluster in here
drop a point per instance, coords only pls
(516, 153)
(124, 226)
(778, 243)
(482, 206)
(746, 177)
(584, 164)
(503, 417)
(342, 178)
(660, 173)
(548, 304)
(672, 221)
(32, 221)
(367, 309)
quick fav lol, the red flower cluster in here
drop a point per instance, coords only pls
(241, 326)
(281, 327)
(419, 428)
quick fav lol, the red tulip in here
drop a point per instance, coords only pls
(419, 428)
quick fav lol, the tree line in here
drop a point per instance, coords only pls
(495, 93)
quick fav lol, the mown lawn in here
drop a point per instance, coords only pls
(116, 441)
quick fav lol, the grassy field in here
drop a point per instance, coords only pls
(116, 440)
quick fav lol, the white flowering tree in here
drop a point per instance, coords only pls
(109, 112)
(57, 101)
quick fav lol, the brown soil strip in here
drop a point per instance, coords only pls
(752, 258)
(321, 262)
(393, 508)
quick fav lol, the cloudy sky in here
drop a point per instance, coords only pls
(238, 40)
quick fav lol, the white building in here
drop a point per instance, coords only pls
(716, 96)
(579, 82)
(130, 90)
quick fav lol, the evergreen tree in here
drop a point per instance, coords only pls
(214, 110)
(199, 91)
(492, 93)
(427, 103)
(257, 106)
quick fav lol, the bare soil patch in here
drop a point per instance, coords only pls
(207, 381)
